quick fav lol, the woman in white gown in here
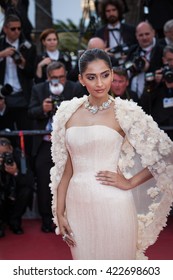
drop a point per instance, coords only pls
(112, 180)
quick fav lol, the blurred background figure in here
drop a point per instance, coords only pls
(45, 99)
(143, 57)
(168, 34)
(158, 102)
(114, 32)
(167, 67)
(120, 85)
(17, 70)
(50, 40)
(16, 187)
(19, 8)
(157, 12)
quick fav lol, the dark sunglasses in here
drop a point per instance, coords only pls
(15, 28)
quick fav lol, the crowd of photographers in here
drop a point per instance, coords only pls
(33, 85)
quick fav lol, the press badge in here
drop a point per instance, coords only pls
(168, 102)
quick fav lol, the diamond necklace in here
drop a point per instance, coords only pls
(94, 108)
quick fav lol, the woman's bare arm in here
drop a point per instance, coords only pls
(63, 186)
(64, 226)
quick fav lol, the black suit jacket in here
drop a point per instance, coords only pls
(162, 42)
(39, 93)
(152, 103)
(25, 75)
(127, 33)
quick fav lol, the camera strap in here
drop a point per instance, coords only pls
(117, 40)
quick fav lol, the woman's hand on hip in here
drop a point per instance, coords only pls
(114, 179)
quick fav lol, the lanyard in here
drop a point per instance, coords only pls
(115, 38)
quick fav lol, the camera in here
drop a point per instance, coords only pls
(118, 52)
(26, 45)
(56, 101)
(137, 65)
(5, 90)
(167, 73)
(17, 57)
(6, 158)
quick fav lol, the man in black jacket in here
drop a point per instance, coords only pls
(143, 57)
(158, 102)
(114, 32)
(19, 8)
(16, 187)
(45, 99)
(17, 68)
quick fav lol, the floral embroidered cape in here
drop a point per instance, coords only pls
(145, 145)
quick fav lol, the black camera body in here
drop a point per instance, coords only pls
(56, 101)
(26, 45)
(137, 65)
(118, 52)
(6, 158)
(16, 56)
(167, 73)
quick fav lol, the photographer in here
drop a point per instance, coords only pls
(113, 31)
(157, 100)
(20, 9)
(17, 68)
(146, 56)
(167, 60)
(16, 187)
(117, 35)
(45, 99)
(6, 118)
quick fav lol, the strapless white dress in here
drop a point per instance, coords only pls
(103, 218)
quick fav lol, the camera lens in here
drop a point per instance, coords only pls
(16, 57)
(8, 158)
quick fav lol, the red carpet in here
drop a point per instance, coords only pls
(35, 245)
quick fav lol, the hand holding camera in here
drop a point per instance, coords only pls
(18, 55)
(7, 163)
(138, 65)
(119, 53)
(47, 105)
(158, 76)
(11, 168)
(9, 51)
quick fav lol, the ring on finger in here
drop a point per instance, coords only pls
(64, 237)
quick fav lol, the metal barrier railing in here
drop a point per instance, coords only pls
(5, 133)
(24, 132)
